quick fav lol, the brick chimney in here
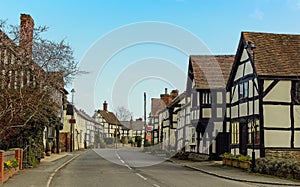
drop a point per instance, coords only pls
(105, 106)
(26, 34)
(174, 94)
(166, 97)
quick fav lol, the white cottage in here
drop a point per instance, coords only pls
(264, 94)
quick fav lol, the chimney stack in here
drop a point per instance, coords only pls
(105, 106)
(174, 94)
(26, 34)
(166, 97)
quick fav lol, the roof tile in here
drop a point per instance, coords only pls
(275, 54)
(211, 71)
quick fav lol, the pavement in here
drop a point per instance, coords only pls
(50, 165)
(216, 168)
(42, 173)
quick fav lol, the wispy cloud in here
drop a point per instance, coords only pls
(257, 14)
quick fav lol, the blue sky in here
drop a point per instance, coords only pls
(85, 24)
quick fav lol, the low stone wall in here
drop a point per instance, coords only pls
(198, 157)
(283, 154)
(8, 156)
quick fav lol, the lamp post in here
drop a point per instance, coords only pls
(72, 124)
(250, 46)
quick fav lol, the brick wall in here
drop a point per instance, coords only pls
(18, 155)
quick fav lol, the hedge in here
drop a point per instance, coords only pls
(279, 167)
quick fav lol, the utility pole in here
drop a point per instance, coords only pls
(72, 124)
(145, 125)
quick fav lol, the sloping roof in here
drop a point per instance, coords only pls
(86, 116)
(275, 54)
(210, 71)
(157, 105)
(136, 125)
(109, 117)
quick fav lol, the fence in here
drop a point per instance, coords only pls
(6, 156)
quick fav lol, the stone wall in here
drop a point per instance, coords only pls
(283, 154)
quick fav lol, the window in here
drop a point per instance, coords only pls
(243, 90)
(235, 133)
(206, 99)
(256, 131)
(193, 136)
(296, 92)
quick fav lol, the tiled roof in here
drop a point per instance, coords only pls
(136, 125)
(86, 116)
(157, 105)
(109, 117)
(210, 71)
(275, 54)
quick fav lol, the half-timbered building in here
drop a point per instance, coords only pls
(264, 94)
(112, 126)
(206, 84)
(157, 104)
(167, 125)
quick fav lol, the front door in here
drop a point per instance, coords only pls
(243, 138)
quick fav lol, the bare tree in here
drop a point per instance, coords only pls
(31, 85)
(123, 114)
(52, 56)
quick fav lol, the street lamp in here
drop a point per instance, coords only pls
(250, 46)
(72, 124)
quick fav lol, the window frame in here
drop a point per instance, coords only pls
(235, 132)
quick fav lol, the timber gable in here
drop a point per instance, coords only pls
(263, 93)
(206, 88)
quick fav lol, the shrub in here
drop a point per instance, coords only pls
(279, 167)
(14, 163)
(244, 158)
(138, 140)
(227, 155)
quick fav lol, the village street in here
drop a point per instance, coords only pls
(131, 167)
(121, 168)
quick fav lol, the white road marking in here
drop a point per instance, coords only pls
(144, 178)
(128, 166)
(141, 176)
(57, 169)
